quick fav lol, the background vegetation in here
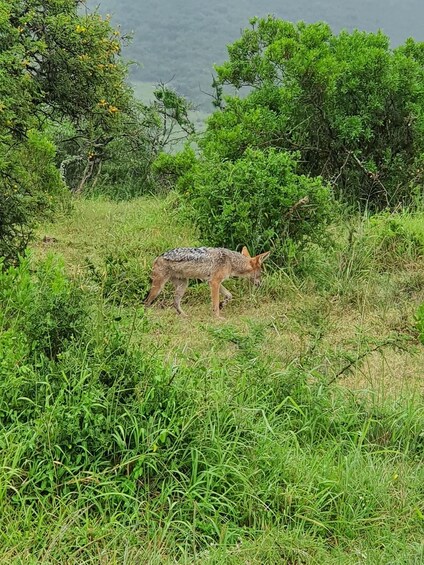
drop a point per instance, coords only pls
(344, 110)
(292, 432)
(351, 106)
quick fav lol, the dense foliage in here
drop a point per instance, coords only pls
(67, 114)
(258, 200)
(29, 185)
(55, 63)
(349, 104)
(315, 111)
(117, 160)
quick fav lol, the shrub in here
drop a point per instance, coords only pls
(259, 201)
(351, 106)
(30, 185)
(168, 168)
(117, 165)
(118, 162)
(46, 307)
(56, 63)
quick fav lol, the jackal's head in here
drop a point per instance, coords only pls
(254, 266)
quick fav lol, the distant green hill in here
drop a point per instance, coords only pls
(180, 40)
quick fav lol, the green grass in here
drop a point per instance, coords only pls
(345, 303)
(142, 437)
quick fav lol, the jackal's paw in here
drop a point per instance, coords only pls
(182, 314)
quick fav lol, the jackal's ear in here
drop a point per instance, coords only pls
(245, 252)
(262, 257)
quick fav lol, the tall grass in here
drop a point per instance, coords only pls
(110, 453)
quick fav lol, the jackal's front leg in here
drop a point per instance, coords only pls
(215, 284)
(157, 286)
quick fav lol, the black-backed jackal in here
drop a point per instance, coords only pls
(212, 264)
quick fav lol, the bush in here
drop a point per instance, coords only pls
(30, 185)
(56, 63)
(73, 393)
(168, 168)
(351, 106)
(259, 201)
(117, 165)
(45, 307)
(118, 162)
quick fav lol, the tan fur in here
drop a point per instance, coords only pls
(212, 264)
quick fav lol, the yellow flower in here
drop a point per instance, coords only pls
(114, 46)
(112, 109)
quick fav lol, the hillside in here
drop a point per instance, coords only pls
(181, 41)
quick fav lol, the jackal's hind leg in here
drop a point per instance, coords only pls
(180, 288)
(227, 296)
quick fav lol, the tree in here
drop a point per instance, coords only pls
(118, 162)
(61, 76)
(351, 106)
(55, 63)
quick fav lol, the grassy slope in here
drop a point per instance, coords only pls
(308, 464)
(293, 318)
